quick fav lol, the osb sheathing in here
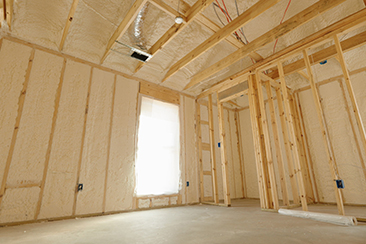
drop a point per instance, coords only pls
(102, 145)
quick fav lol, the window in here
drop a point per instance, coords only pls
(157, 163)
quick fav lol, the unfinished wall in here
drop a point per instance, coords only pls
(64, 121)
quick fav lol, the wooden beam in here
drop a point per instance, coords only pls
(287, 143)
(109, 145)
(327, 53)
(231, 160)
(82, 142)
(262, 182)
(351, 93)
(70, 18)
(191, 14)
(325, 134)
(306, 145)
(240, 148)
(224, 162)
(301, 147)
(267, 141)
(200, 148)
(9, 11)
(301, 18)
(289, 116)
(346, 24)
(215, 190)
(281, 167)
(220, 35)
(122, 28)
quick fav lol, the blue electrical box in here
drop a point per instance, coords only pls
(219, 144)
(340, 184)
(187, 183)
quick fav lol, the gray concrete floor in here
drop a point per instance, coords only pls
(242, 223)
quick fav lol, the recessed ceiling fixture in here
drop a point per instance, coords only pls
(178, 19)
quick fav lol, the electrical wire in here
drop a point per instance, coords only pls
(242, 31)
(283, 17)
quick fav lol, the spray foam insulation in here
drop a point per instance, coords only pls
(95, 149)
(60, 184)
(121, 173)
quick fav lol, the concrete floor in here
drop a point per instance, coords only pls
(242, 223)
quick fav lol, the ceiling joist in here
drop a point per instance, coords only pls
(70, 17)
(351, 22)
(8, 11)
(220, 35)
(190, 15)
(294, 22)
(122, 28)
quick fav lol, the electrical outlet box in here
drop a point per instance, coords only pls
(187, 183)
(340, 184)
(219, 144)
(80, 187)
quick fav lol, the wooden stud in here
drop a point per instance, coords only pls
(212, 151)
(352, 126)
(230, 139)
(351, 93)
(324, 133)
(301, 147)
(82, 142)
(287, 143)
(262, 181)
(289, 116)
(50, 140)
(109, 144)
(9, 11)
(267, 142)
(122, 28)
(70, 18)
(299, 19)
(22, 96)
(305, 138)
(239, 147)
(281, 167)
(200, 148)
(224, 162)
(220, 35)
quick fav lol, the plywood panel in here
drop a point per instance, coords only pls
(35, 125)
(13, 66)
(121, 172)
(94, 158)
(65, 152)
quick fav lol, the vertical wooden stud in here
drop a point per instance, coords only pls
(287, 143)
(302, 153)
(262, 182)
(324, 132)
(82, 142)
(306, 145)
(281, 167)
(289, 116)
(109, 144)
(241, 157)
(224, 162)
(267, 142)
(230, 139)
(50, 140)
(212, 150)
(199, 144)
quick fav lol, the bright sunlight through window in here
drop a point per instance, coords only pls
(157, 164)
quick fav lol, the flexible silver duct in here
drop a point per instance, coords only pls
(136, 29)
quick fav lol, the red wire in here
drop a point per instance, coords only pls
(227, 16)
(283, 17)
